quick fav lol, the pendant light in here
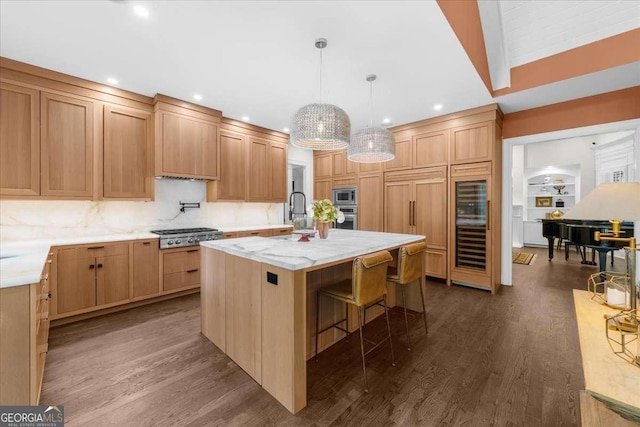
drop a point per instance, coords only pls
(372, 144)
(320, 126)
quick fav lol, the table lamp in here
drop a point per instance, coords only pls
(616, 202)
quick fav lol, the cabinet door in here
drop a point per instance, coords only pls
(258, 170)
(431, 211)
(472, 143)
(233, 149)
(145, 269)
(370, 194)
(278, 172)
(76, 281)
(67, 144)
(189, 146)
(341, 165)
(369, 167)
(19, 141)
(322, 165)
(128, 152)
(431, 149)
(322, 189)
(398, 204)
(403, 156)
(112, 279)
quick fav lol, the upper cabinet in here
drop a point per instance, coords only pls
(427, 149)
(472, 143)
(253, 164)
(67, 146)
(322, 161)
(267, 166)
(128, 153)
(19, 141)
(186, 139)
(342, 167)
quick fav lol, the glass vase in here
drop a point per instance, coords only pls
(323, 229)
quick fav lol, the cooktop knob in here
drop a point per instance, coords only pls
(190, 241)
(170, 242)
(178, 242)
(197, 239)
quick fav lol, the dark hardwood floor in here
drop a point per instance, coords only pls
(509, 359)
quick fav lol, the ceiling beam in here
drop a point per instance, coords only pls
(495, 44)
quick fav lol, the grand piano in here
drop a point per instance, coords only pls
(581, 234)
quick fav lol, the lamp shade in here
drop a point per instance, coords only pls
(321, 127)
(372, 145)
(615, 200)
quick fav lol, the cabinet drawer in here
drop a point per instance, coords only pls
(230, 235)
(282, 231)
(176, 262)
(471, 169)
(102, 250)
(261, 233)
(181, 279)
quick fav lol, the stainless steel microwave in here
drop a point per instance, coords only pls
(345, 196)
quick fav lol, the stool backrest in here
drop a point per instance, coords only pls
(411, 262)
(369, 277)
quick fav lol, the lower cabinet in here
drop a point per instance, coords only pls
(146, 277)
(24, 335)
(91, 276)
(180, 268)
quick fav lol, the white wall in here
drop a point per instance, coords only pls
(37, 219)
(565, 152)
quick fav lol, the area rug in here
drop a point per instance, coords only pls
(522, 258)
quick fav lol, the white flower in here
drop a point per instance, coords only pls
(340, 218)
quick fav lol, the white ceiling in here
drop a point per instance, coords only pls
(257, 58)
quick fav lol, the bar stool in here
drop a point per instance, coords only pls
(367, 287)
(410, 268)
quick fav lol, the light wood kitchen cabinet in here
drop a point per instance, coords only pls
(127, 153)
(67, 146)
(474, 218)
(370, 202)
(262, 233)
(91, 276)
(341, 165)
(180, 268)
(266, 171)
(145, 269)
(423, 150)
(19, 141)
(322, 189)
(186, 139)
(472, 143)
(24, 335)
(284, 231)
(233, 157)
(416, 203)
(322, 161)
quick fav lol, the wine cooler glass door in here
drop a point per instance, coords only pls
(471, 224)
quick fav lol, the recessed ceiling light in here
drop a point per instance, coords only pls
(197, 97)
(285, 130)
(386, 120)
(112, 81)
(141, 11)
(245, 118)
(437, 107)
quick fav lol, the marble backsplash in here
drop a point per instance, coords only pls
(37, 219)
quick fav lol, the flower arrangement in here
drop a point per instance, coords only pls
(323, 210)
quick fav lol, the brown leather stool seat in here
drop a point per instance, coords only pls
(410, 268)
(367, 287)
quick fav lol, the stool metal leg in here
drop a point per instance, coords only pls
(364, 368)
(406, 320)
(424, 307)
(317, 321)
(386, 313)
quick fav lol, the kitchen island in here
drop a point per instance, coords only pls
(258, 301)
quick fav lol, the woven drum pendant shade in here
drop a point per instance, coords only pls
(372, 144)
(321, 127)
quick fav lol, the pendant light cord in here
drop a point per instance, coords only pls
(320, 76)
(371, 104)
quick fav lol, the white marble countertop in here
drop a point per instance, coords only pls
(289, 253)
(21, 262)
(254, 227)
